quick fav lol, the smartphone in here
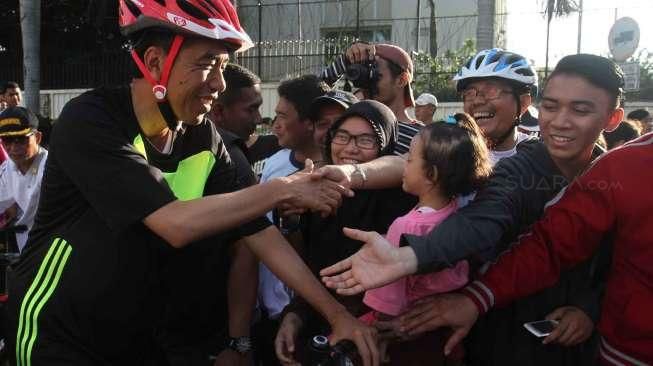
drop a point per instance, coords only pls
(541, 328)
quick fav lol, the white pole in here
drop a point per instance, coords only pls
(580, 24)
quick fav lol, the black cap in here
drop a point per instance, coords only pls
(339, 97)
(598, 70)
(383, 121)
(17, 121)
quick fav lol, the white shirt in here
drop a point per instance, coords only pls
(23, 190)
(495, 156)
(274, 295)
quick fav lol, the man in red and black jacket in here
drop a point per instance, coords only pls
(600, 203)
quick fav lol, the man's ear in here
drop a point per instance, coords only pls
(154, 58)
(403, 79)
(309, 124)
(525, 100)
(615, 118)
(38, 136)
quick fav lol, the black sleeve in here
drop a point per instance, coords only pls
(232, 172)
(513, 199)
(98, 158)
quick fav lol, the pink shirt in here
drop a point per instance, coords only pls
(394, 298)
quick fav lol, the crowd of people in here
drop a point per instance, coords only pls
(161, 229)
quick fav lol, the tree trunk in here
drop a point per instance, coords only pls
(433, 28)
(30, 25)
(485, 24)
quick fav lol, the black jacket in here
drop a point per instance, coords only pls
(513, 199)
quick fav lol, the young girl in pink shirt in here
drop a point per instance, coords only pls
(447, 160)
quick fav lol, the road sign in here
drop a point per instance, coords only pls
(631, 75)
(623, 38)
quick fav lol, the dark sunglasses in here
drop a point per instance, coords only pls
(19, 140)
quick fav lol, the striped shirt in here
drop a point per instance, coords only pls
(405, 133)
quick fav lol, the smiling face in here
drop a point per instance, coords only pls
(241, 115)
(495, 116)
(573, 112)
(292, 131)
(351, 152)
(196, 78)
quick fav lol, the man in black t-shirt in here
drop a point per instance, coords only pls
(237, 111)
(137, 176)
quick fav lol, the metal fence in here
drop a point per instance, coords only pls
(279, 60)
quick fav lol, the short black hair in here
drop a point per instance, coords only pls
(457, 151)
(236, 78)
(9, 85)
(599, 71)
(625, 132)
(301, 91)
(639, 114)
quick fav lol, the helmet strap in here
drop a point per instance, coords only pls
(159, 87)
(494, 143)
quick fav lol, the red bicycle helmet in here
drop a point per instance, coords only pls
(214, 19)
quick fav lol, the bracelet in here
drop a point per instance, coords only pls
(361, 173)
(241, 345)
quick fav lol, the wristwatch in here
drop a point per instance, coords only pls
(241, 345)
(359, 172)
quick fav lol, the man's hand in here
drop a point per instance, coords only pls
(229, 357)
(390, 330)
(284, 343)
(574, 326)
(320, 195)
(455, 311)
(377, 263)
(340, 174)
(360, 52)
(345, 326)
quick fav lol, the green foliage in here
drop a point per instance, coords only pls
(645, 60)
(434, 74)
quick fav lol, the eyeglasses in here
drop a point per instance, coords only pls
(18, 140)
(364, 141)
(488, 93)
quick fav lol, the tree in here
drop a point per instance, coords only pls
(434, 74)
(30, 25)
(555, 8)
(485, 25)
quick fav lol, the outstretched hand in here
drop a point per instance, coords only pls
(377, 263)
(455, 311)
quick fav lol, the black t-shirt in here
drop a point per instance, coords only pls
(325, 244)
(264, 147)
(97, 189)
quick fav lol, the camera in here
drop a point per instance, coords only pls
(320, 353)
(364, 76)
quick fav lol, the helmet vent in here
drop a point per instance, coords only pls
(161, 2)
(479, 61)
(136, 12)
(493, 57)
(208, 6)
(192, 10)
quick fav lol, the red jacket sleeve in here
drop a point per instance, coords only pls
(570, 231)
